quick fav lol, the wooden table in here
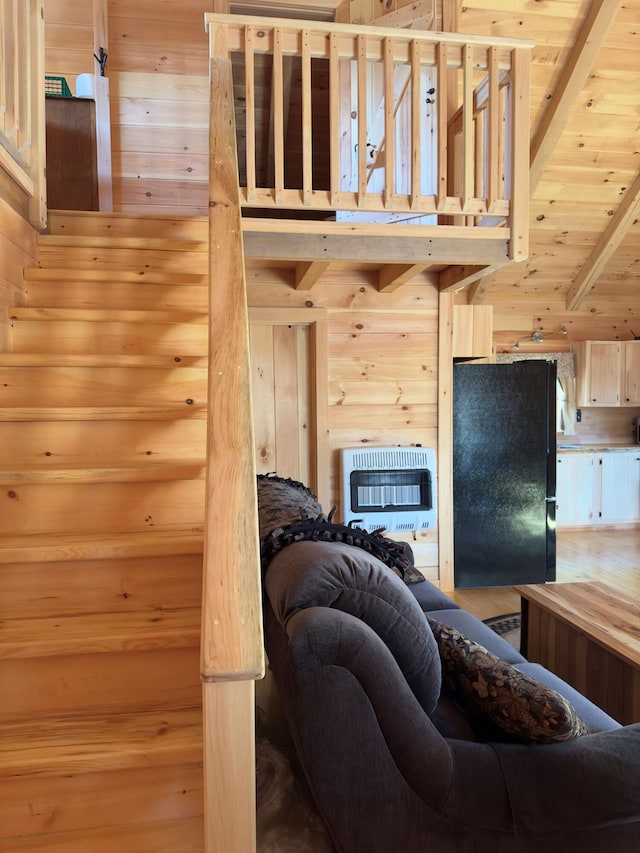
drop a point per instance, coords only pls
(589, 635)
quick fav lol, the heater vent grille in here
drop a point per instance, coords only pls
(389, 487)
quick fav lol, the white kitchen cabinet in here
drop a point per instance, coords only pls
(576, 492)
(620, 487)
(597, 488)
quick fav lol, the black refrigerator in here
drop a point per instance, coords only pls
(504, 473)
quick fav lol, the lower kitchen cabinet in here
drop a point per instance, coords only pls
(598, 488)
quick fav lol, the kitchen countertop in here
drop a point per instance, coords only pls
(596, 448)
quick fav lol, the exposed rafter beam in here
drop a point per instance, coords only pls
(478, 291)
(393, 276)
(609, 241)
(418, 15)
(307, 273)
(590, 39)
(458, 277)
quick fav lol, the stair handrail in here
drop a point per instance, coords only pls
(232, 654)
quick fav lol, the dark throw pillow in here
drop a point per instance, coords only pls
(289, 512)
(519, 705)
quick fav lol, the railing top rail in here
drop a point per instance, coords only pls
(238, 22)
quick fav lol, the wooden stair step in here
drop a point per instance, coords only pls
(51, 547)
(100, 633)
(171, 836)
(118, 295)
(110, 336)
(107, 413)
(83, 386)
(106, 277)
(98, 742)
(40, 590)
(123, 257)
(102, 316)
(119, 241)
(147, 224)
(145, 471)
(101, 444)
(66, 359)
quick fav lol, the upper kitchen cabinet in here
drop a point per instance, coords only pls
(598, 372)
(631, 378)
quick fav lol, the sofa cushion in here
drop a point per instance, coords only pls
(333, 574)
(519, 705)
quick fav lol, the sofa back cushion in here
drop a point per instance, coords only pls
(333, 574)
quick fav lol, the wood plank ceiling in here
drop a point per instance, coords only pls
(585, 152)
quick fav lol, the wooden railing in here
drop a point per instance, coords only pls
(22, 124)
(378, 124)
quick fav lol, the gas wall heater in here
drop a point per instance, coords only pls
(390, 487)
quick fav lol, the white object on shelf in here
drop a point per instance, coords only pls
(86, 86)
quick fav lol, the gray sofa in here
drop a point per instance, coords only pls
(394, 763)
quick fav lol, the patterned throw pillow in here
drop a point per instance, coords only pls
(518, 704)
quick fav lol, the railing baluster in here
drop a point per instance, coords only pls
(334, 119)
(307, 136)
(467, 126)
(278, 117)
(493, 130)
(389, 126)
(416, 124)
(250, 104)
(441, 105)
(387, 153)
(519, 152)
(362, 119)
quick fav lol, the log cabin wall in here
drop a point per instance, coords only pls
(382, 365)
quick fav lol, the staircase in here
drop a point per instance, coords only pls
(102, 461)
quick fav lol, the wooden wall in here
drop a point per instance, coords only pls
(68, 39)
(17, 251)
(382, 365)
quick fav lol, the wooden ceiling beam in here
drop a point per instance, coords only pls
(587, 46)
(393, 276)
(609, 241)
(458, 277)
(479, 290)
(307, 273)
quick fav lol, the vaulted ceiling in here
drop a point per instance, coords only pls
(585, 152)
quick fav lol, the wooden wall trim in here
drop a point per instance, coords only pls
(445, 439)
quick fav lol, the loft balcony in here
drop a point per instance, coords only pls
(417, 139)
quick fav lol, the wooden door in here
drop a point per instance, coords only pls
(281, 399)
(290, 408)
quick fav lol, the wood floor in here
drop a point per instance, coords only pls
(611, 556)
